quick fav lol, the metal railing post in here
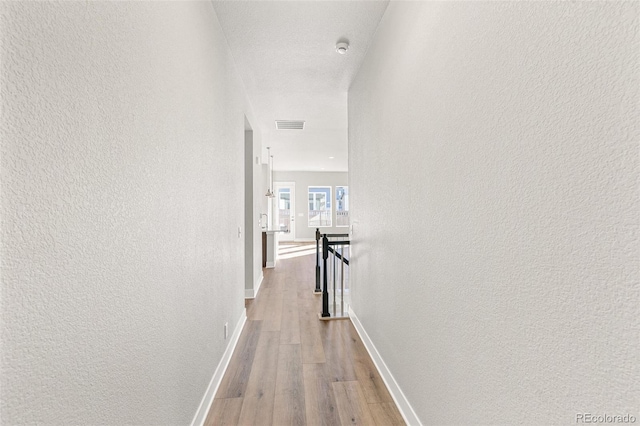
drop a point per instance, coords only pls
(335, 269)
(342, 281)
(318, 289)
(325, 291)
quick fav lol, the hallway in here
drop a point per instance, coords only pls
(490, 151)
(289, 368)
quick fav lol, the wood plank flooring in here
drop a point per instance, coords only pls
(289, 368)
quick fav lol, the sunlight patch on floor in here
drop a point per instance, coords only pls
(291, 250)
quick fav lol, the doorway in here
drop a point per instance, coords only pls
(284, 210)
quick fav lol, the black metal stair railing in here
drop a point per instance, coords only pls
(318, 236)
(334, 271)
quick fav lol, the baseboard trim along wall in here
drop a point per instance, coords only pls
(403, 405)
(207, 399)
(253, 293)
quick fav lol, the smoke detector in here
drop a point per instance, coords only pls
(342, 47)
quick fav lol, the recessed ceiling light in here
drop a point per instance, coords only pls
(331, 158)
(342, 47)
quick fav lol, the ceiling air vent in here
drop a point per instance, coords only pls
(289, 125)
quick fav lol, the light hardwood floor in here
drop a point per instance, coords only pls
(289, 368)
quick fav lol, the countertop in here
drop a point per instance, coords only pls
(272, 231)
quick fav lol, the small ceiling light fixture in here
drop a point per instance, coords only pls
(331, 158)
(342, 47)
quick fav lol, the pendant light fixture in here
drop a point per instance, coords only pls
(273, 194)
(270, 193)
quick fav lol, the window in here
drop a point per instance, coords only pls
(284, 209)
(319, 206)
(342, 206)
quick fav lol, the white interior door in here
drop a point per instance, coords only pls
(285, 210)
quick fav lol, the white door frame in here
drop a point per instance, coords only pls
(291, 235)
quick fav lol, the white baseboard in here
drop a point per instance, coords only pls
(257, 288)
(207, 399)
(403, 405)
(270, 264)
(252, 293)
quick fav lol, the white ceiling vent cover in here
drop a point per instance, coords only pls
(289, 125)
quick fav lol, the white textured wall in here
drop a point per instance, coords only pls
(303, 181)
(122, 190)
(258, 197)
(252, 204)
(494, 189)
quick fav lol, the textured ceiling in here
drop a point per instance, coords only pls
(285, 54)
